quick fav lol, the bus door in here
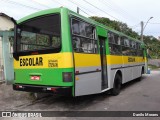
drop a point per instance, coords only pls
(104, 77)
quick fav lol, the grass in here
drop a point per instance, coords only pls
(152, 67)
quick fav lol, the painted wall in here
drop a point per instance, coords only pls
(1, 60)
(5, 24)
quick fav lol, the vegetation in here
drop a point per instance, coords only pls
(152, 67)
(152, 43)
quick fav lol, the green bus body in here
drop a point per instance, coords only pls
(56, 67)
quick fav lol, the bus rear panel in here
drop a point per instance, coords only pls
(43, 61)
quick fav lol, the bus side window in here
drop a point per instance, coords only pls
(75, 27)
(112, 51)
(114, 44)
(111, 37)
(133, 48)
(122, 41)
(139, 50)
(125, 50)
(83, 36)
(126, 42)
(77, 45)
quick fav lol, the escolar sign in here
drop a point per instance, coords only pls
(38, 61)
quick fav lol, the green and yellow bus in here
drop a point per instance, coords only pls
(61, 52)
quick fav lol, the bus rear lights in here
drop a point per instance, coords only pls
(35, 77)
(19, 86)
(77, 72)
(98, 69)
(67, 76)
(52, 89)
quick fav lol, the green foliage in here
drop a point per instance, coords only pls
(152, 67)
(119, 26)
(152, 43)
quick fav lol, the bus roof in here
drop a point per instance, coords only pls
(58, 10)
(39, 13)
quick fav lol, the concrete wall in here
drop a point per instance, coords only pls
(1, 61)
(155, 62)
(5, 24)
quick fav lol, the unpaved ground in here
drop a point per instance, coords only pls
(135, 96)
(10, 100)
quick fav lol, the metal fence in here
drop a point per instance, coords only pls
(1, 62)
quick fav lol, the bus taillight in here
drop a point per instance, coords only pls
(67, 76)
(19, 86)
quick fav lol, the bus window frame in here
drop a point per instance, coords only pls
(72, 35)
(115, 44)
(42, 51)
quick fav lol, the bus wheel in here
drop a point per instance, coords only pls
(117, 85)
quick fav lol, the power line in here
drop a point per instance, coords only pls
(110, 7)
(40, 4)
(119, 9)
(100, 9)
(74, 3)
(80, 6)
(152, 23)
(115, 7)
(57, 2)
(135, 26)
(16, 3)
(84, 12)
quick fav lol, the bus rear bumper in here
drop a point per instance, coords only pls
(67, 91)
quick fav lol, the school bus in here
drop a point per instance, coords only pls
(61, 52)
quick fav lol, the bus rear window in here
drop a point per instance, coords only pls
(39, 34)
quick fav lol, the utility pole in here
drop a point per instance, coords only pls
(142, 28)
(78, 10)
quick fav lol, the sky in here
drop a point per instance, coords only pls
(131, 12)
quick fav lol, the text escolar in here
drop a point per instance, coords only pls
(38, 61)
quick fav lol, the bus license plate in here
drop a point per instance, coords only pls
(35, 78)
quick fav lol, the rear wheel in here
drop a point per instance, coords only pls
(117, 85)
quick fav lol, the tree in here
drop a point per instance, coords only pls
(152, 43)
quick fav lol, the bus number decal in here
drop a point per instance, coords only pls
(52, 63)
(130, 59)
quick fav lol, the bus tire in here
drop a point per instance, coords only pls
(117, 85)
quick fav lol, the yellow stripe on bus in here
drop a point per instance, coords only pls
(112, 59)
(65, 60)
(56, 60)
(84, 60)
